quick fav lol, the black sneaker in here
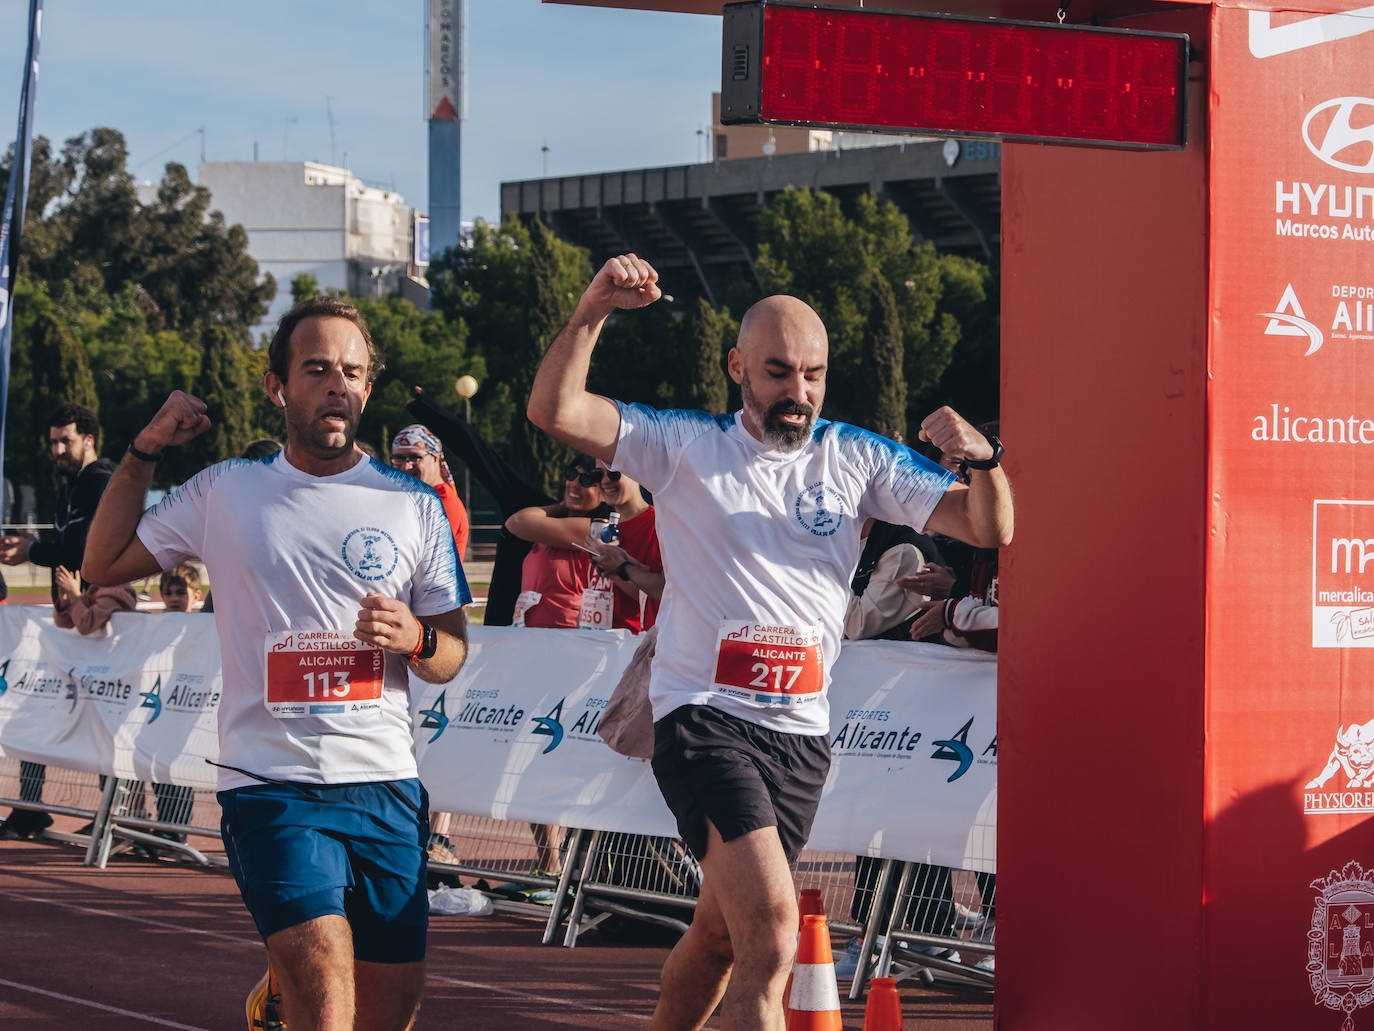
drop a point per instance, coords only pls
(24, 823)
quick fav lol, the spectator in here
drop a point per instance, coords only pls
(510, 488)
(635, 567)
(558, 588)
(88, 611)
(556, 583)
(260, 449)
(418, 452)
(73, 434)
(883, 604)
(179, 589)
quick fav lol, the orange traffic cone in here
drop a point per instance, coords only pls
(814, 1002)
(809, 904)
(884, 1009)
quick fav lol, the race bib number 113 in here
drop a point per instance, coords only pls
(322, 673)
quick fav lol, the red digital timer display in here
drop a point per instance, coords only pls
(832, 67)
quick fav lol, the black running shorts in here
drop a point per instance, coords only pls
(739, 776)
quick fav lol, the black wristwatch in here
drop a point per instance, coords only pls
(965, 464)
(429, 644)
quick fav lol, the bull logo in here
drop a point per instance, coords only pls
(1353, 754)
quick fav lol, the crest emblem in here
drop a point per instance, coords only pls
(1340, 942)
(370, 553)
(820, 509)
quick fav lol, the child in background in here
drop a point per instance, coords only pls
(88, 611)
(180, 588)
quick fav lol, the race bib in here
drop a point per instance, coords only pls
(597, 610)
(322, 673)
(769, 665)
(526, 601)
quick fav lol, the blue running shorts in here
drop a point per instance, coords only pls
(301, 851)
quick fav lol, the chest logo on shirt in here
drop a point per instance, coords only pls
(370, 553)
(820, 509)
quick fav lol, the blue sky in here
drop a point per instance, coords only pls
(605, 89)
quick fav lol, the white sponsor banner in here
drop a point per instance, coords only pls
(914, 771)
(139, 702)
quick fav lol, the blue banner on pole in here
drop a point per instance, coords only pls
(12, 221)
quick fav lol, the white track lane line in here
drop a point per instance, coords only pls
(429, 975)
(243, 939)
(566, 1004)
(142, 1018)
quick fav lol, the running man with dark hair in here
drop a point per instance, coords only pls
(334, 576)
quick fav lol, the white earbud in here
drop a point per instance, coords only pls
(280, 399)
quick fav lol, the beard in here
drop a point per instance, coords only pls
(68, 465)
(782, 436)
(322, 441)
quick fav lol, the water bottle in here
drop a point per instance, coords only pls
(611, 535)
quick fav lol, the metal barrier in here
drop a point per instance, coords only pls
(910, 919)
(118, 811)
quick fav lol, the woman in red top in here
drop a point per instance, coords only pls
(558, 585)
(633, 570)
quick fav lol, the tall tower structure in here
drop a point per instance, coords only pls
(446, 30)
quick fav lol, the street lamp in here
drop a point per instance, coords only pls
(466, 387)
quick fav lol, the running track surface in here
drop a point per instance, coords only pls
(145, 944)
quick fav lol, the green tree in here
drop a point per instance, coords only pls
(810, 248)
(514, 288)
(304, 287)
(87, 228)
(970, 300)
(420, 348)
(223, 385)
(883, 380)
(706, 388)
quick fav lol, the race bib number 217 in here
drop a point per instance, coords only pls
(769, 665)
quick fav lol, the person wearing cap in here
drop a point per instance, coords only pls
(418, 452)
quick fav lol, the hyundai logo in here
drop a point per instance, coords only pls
(1346, 137)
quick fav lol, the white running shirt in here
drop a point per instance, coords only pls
(759, 547)
(291, 552)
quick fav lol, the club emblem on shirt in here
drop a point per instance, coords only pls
(820, 509)
(370, 553)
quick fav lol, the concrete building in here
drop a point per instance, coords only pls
(306, 217)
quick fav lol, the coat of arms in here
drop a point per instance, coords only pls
(1340, 951)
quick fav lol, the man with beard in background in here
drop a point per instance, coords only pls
(759, 517)
(73, 434)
